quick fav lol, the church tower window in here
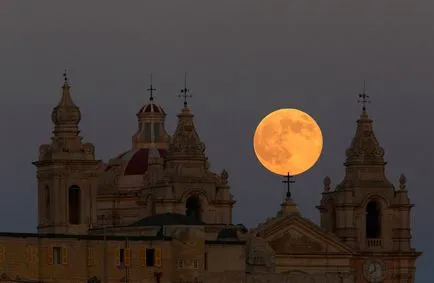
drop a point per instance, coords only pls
(193, 208)
(156, 132)
(148, 133)
(74, 195)
(373, 225)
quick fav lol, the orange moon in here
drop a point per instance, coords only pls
(288, 141)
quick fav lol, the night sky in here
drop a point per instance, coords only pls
(244, 59)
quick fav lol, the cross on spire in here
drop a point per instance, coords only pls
(364, 98)
(288, 180)
(151, 90)
(184, 92)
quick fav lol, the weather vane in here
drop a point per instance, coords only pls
(65, 79)
(364, 98)
(65, 76)
(184, 92)
(288, 180)
(151, 90)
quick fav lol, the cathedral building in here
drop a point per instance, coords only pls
(157, 213)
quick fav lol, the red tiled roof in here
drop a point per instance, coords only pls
(136, 161)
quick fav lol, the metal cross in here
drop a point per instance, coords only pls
(288, 180)
(364, 98)
(184, 92)
(151, 90)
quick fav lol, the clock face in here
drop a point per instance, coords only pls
(374, 271)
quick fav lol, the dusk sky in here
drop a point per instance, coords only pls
(244, 59)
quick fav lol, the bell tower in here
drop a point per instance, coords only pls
(189, 187)
(366, 211)
(66, 173)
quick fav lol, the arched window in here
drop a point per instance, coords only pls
(47, 207)
(373, 225)
(74, 205)
(193, 208)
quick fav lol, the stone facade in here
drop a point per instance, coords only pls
(157, 213)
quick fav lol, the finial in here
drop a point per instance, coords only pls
(288, 179)
(327, 182)
(402, 182)
(364, 98)
(184, 92)
(151, 90)
(224, 176)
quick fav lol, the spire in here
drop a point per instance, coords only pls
(185, 142)
(184, 92)
(66, 115)
(365, 165)
(365, 148)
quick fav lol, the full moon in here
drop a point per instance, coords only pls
(288, 141)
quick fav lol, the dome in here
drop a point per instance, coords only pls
(227, 234)
(135, 161)
(151, 108)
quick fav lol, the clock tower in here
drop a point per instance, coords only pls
(368, 213)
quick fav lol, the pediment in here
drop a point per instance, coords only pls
(298, 235)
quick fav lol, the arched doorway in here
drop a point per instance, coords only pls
(373, 223)
(193, 207)
(74, 204)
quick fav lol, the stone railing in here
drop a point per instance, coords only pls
(373, 243)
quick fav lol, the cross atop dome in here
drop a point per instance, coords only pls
(288, 180)
(288, 206)
(151, 90)
(184, 92)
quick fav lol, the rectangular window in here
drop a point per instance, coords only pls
(142, 257)
(179, 262)
(127, 257)
(195, 264)
(158, 258)
(57, 255)
(121, 256)
(150, 257)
